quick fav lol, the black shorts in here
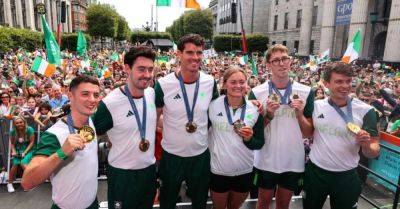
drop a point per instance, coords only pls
(269, 180)
(222, 184)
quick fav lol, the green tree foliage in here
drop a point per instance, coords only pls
(123, 30)
(255, 42)
(102, 20)
(69, 41)
(13, 38)
(141, 36)
(195, 21)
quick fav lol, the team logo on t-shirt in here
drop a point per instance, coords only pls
(130, 113)
(321, 116)
(177, 96)
(220, 114)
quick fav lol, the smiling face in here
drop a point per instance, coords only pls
(339, 85)
(141, 73)
(236, 85)
(190, 58)
(84, 98)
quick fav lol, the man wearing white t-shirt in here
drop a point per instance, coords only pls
(183, 97)
(128, 116)
(340, 126)
(70, 159)
(279, 164)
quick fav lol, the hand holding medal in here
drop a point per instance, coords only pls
(297, 104)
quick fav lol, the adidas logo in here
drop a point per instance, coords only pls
(220, 114)
(130, 113)
(177, 96)
(321, 116)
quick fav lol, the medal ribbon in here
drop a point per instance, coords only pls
(141, 124)
(348, 118)
(228, 111)
(70, 124)
(189, 112)
(288, 91)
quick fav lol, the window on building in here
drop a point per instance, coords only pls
(296, 46)
(23, 8)
(13, 13)
(275, 22)
(2, 21)
(298, 18)
(312, 47)
(286, 21)
(276, 2)
(284, 43)
(314, 16)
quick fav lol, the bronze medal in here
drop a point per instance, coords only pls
(295, 96)
(275, 98)
(238, 125)
(87, 133)
(353, 128)
(144, 145)
(191, 127)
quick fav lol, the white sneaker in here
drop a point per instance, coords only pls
(10, 188)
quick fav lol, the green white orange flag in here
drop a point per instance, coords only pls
(179, 3)
(353, 49)
(42, 67)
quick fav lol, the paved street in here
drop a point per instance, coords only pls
(40, 198)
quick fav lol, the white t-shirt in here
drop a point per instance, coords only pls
(176, 140)
(74, 183)
(229, 155)
(116, 117)
(334, 147)
(283, 150)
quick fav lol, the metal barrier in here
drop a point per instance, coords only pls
(396, 141)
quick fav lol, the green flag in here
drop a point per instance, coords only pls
(163, 3)
(114, 57)
(81, 45)
(254, 67)
(52, 48)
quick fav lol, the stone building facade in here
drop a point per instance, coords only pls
(22, 14)
(313, 26)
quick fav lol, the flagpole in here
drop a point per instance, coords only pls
(244, 43)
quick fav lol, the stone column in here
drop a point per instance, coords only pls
(18, 10)
(306, 27)
(54, 14)
(328, 26)
(7, 12)
(392, 44)
(48, 13)
(69, 16)
(359, 18)
(30, 14)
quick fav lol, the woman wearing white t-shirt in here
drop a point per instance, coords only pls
(236, 128)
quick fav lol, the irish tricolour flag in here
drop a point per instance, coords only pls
(353, 49)
(42, 67)
(179, 3)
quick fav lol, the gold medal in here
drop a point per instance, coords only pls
(238, 125)
(354, 128)
(191, 127)
(87, 133)
(275, 98)
(144, 145)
